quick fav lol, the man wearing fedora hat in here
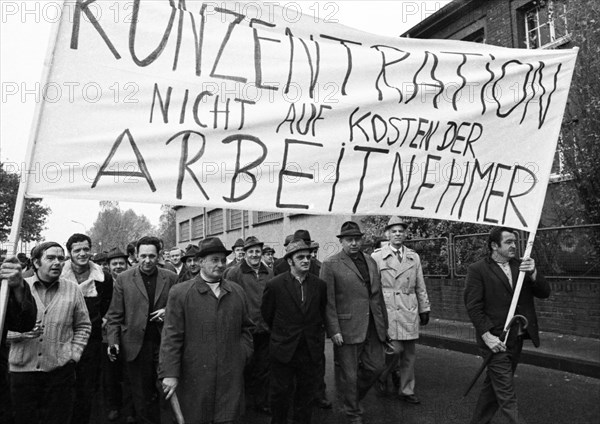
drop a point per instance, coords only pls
(356, 318)
(408, 306)
(294, 307)
(252, 275)
(238, 253)
(207, 341)
(281, 265)
(191, 262)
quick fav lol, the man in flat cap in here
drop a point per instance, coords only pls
(407, 304)
(207, 341)
(294, 306)
(238, 253)
(356, 318)
(252, 275)
(282, 266)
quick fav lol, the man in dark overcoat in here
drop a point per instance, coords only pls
(207, 342)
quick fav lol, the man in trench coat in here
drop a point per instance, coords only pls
(407, 305)
(206, 342)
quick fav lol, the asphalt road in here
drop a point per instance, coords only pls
(545, 396)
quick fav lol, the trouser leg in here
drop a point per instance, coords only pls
(347, 356)
(281, 387)
(143, 377)
(372, 357)
(407, 367)
(88, 371)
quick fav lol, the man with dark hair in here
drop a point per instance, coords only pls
(281, 265)
(356, 318)
(207, 341)
(131, 258)
(294, 306)
(252, 275)
(134, 324)
(21, 313)
(488, 294)
(42, 363)
(96, 286)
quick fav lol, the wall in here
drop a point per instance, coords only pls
(572, 308)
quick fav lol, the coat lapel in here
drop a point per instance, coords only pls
(499, 274)
(290, 286)
(346, 260)
(139, 283)
(161, 282)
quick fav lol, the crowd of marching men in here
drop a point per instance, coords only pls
(206, 338)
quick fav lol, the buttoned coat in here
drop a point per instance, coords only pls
(348, 299)
(404, 291)
(127, 315)
(290, 320)
(488, 295)
(206, 343)
(254, 286)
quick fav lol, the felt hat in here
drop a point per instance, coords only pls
(268, 249)
(302, 235)
(350, 229)
(190, 252)
(115, 252)
(238, 243)
(252, 241)
(288, 239)
(396, 220)
(295, 246)
(212, 245)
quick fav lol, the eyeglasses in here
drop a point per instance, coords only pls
(303, 257)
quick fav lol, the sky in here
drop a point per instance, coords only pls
(24, 37)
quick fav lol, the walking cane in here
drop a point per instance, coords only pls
(503, 338)
(177, 409)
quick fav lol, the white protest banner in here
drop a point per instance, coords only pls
(255, 106)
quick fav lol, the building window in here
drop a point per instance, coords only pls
(215, 222)
(198, 227)
(234, 219)
(476, 37)
(184, 231)
(545, 24)
(261, 217)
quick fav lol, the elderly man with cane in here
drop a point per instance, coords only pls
(206, 342)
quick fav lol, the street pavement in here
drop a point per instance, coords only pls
(545, 395)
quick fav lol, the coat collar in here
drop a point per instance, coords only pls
(204, 288)
(88, 287)
(247, 269)
(500, 275)
(409, 258)
(290, 285)
(161, 283)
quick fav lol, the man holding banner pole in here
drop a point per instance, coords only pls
(491, 285)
